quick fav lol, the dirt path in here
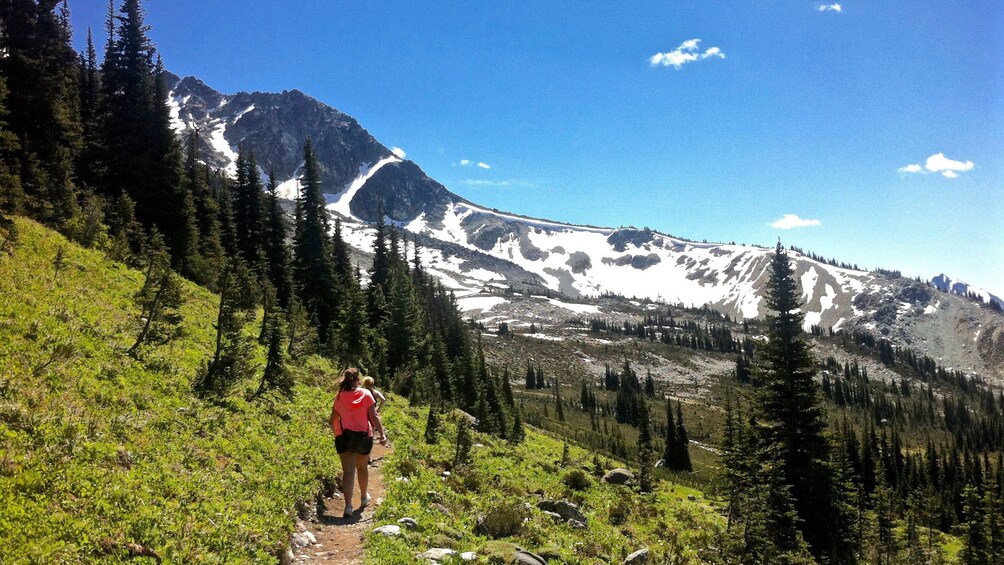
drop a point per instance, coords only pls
(340, 540)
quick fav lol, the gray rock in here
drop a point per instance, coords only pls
(468, 556)
(436, 554)
(310, 537)
(554, 516)
(299, 540)
(691, 498)
(409, 523)
(563, 508)
(618, 477)
(389, 530)
(524, 557)
(640, 556)
(577, 524)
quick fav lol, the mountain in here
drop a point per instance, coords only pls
(947, 284)
(480, 251)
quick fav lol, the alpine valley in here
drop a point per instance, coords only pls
(509, 268)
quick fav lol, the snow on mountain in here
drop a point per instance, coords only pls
(486, 255)
(948, 284)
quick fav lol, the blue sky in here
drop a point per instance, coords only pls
(782, 108)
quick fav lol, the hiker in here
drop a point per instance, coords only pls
(368, 383)
(353, 419)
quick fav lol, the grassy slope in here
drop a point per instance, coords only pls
(98, 451)
(666, 522)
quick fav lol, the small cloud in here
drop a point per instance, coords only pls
(469, 163)
(398, 152)
(938, 163)
(831, 8)
(687, 52)
(791, 221)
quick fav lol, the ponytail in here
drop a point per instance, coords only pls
(350, 379)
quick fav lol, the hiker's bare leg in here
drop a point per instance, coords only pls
(348, 475)
(363, 472)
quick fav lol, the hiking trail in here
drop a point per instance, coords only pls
(340, 540)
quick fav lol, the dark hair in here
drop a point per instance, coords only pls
(350, 379)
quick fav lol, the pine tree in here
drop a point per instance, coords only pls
(274, 244)
(207, 213)
(682, 447)
(159, 299)
(432, 427)
(669, 456)
(462, 453)
(312, 269)
(646, 452)
(88, 161)
(12, 196)
(249, 210)
(232, 357)
(41, 73)
(559, 410)
(277, 376)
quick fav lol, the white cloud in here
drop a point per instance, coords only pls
(831, 8)
(790, 221)
(479, 164)
(399, 152)
(687, 52)
(938, 163)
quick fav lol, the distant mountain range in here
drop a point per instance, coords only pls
(477, 250)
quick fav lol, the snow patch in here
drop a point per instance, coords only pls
(580, 308)
(221, 145)
(340, 202)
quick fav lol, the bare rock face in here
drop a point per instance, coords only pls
(403, 191)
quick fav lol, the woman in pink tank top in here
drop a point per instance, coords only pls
(353, 419)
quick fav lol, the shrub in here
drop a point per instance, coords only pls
(503, 520)
(577, 479)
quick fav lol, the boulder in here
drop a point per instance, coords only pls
(554, 516)
(409, 523)
(577, 524)
(436, 554)
(468, 556)
(640, 556)
(618, 477)
(389, 530)
(524, 557)
(563, 508)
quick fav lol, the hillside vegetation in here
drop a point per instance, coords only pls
(104, 457)
(500, 488)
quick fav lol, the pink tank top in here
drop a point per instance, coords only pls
(353, 410)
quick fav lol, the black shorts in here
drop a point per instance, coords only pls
(354, 442)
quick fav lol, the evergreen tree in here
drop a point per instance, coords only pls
(159, 299)
(646, 452)
(207, 213)
(312, 270)
(41, 73)
(232, 357)
(791, 420)
(557, 401)
(274, 244)
(432, 427)
(669, 455)
(142, 157)
(88, 162)
(682, 447)
(11, 197)
(249, 210)
(462, 454)
(277, 376)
